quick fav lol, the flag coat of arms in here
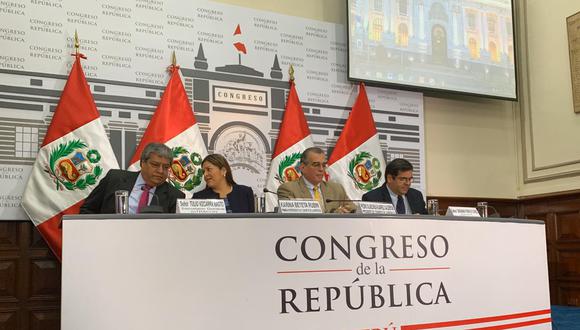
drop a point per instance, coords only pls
(74, 156)
(174, 124)
(357, 160)
(293, 138)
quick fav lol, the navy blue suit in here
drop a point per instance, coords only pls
(241, 198)
(414, 197)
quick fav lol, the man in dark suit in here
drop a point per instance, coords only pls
(397, 189)
(312, 186)
(149, 186)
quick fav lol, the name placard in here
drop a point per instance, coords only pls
(375, 208)
(299, 206)
(201, 206)
(460, 211)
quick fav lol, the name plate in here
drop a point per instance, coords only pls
(201, 206)
(459, 211)
(375, 208)
(299, 206)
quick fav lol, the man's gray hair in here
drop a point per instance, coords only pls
(304, 157)
(159, 149)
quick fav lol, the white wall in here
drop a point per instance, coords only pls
(549, 129)
(470, 142)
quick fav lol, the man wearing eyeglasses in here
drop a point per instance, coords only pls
(146, 187)
(311, 184)
(397, 189)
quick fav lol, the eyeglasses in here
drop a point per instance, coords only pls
(157, 165)
(405, 179)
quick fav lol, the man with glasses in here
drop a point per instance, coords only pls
(146, 187)
(311, 184)
(397, 189)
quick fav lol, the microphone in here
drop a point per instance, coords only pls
(328, 200)
(266, 190)
(153, 207)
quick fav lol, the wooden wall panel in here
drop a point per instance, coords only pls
(505, 208)
(561, 213)
(44, 319)
(29, 279)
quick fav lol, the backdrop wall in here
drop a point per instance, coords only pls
(470, 143)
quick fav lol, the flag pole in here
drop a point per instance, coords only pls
(77, 43)
(291, 73)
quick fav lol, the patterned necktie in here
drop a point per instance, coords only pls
(317, 195)
(400, 205)
(144, 200)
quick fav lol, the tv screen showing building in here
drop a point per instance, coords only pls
(463, 46)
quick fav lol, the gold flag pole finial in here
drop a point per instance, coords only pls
(173, 59)
(77, 43)
(291, 72)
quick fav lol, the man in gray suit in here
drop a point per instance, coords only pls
(146, 187)
(312, 186)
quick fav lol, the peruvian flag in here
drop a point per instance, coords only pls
(240, 46)
(357, 160)
(293, 138)
(174, 125)
(74, 156)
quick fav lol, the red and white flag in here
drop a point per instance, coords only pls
(357, 160)
(174, 124)
(294, 137)
(74, 156)
(240, 46)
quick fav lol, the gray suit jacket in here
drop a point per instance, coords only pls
(330, 190)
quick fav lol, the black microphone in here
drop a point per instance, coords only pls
(328, 200)
(266, 190)
(153, 207)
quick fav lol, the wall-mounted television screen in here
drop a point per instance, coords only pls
(460, 46)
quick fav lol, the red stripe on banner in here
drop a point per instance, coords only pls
(473, 321)
(294, 127)
(51, 229)
(173, 115)
(315, 271)
(76, 106)
(412, 269)
(359, 127)
(516, 325)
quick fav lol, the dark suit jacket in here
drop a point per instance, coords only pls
(241, 198)
(414, 197)
(102, 198)
(330, 190)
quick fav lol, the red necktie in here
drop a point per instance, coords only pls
(144, 200)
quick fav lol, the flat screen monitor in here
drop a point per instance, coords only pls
(459, 46)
